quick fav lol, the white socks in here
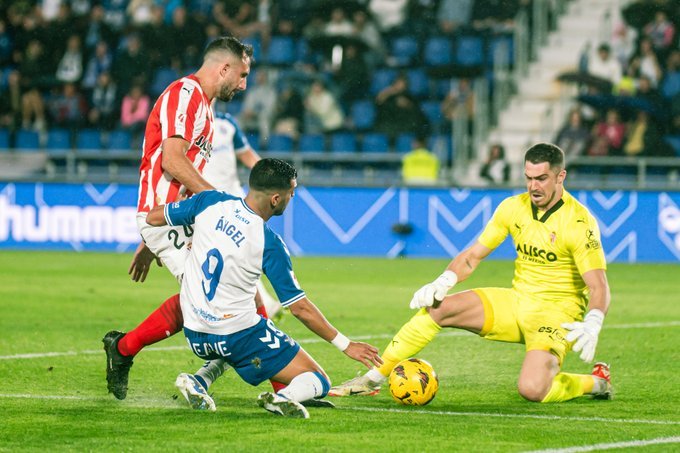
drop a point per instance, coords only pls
(304, 387)
(211, 370)
(375, 376)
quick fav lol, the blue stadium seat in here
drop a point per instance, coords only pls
(342, 142)
(404, 143)
(161, 79)
(4, 139)
(120, 140)
(254, 140)
(674, 141)
(469, 50)
(58, 140)
(418, 82)
(670, 86)
(363, 114)
(282, 51)
(382, 78)
(90, 139)
(437, 51)
(404, 50)
(278, 142)
(303, 53)
(375, 143)
(312, 143)
(27, 140)
(257, 46)
(433, 112)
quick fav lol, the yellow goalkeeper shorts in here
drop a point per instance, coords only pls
(515, 318)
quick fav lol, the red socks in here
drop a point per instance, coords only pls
(165, 321)
(277, 386)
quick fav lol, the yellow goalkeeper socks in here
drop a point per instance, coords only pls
(567, 386)
(411, 338)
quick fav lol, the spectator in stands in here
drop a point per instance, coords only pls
(367, 31)
(623, 42)
(35, 76)
(661, 32)
(398, 111)
(338, 24)
(188, 38)
(608, 135)
(459, 103)
(649, 62)
(68, 108)
(103, 103)
(420, 166)
(453, 15)
(70, 67)
(10, 102)
(628, 84)
(289, 17)
(352, 76)
(643, 137)
(100, 62)
(573, 138)
(131, 66)
(651, 95)
(389, 14)
(604, 65)
(289, 112)
(155, 38)
(98, 31)
(140, 12)
(322, 110)
(134, 112)
(6, 44)
(244, 19)
(259, 104)
(58, 31)
(495, 169)
(494, 14)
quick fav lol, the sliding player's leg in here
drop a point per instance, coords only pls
(464, 310)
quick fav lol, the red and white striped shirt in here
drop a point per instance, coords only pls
(182, 110)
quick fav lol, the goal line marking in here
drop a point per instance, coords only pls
(612, 445)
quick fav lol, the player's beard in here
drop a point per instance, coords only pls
(226, 94)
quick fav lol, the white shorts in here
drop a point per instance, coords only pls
(170, 244)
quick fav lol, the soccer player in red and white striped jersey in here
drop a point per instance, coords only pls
(177, 143)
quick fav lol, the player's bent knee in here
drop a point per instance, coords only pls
(533, 390)
(325, 383)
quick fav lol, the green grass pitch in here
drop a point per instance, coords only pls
(57, 306)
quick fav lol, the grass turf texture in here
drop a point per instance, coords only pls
(61, 302)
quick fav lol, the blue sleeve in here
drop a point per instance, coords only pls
(184, 212)
(240, 140)
(278, 268)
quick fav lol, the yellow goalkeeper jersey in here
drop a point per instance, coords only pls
(554, 248)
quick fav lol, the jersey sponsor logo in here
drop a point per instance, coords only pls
(593, 243)
(205, 146)
(231, 231)
(531, 252)
(553, 333)
(237, 214)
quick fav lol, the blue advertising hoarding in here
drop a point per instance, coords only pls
(635, 226)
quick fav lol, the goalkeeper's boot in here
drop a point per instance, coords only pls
(601, 371)
(359, 386)
(280, 405)
(195, 394)
(318, 402)
(117, 365)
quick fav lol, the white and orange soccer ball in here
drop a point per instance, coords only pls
(413, 382)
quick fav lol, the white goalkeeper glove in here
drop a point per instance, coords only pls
(435, 291)
(585, 333)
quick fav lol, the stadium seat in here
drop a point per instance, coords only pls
(90, 139)
(303, 54)
(120, 140)
(363, 114)
(282, 51)
(404, 143)
(670, 86)
(382, 78)
(469, 51)
(375, 143)
(433, 112)
(418, 82)
(254, 140)
(404, 50)
(437, 51)
(674, 141)
(342, 142)
(161, 79)
(4, 139)
(58, 140)
(27, 140)
(279, 142)
(257, 46)
(312, 143)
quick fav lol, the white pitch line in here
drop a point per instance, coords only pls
(500, 415)
(40, 355)
(613, 445)
(152, 403)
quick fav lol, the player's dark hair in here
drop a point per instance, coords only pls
(546, 152)
(271, 175)
(230, 44)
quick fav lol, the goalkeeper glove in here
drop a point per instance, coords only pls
(585, 334)
(435, 291)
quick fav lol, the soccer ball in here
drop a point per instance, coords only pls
(413, 382)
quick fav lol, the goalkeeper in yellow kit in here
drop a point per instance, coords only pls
(557, 302)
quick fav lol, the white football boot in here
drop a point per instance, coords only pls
(194, 393)
(277, 404)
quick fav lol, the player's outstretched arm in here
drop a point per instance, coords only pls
(311, 316)
(248, 157)
(176, 163)
(585, 334)
(141, 263)
(459, 269)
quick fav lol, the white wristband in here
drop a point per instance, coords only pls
(449, 278)
(340, 341)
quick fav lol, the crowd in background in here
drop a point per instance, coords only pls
(77, 64)
(632, 101)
